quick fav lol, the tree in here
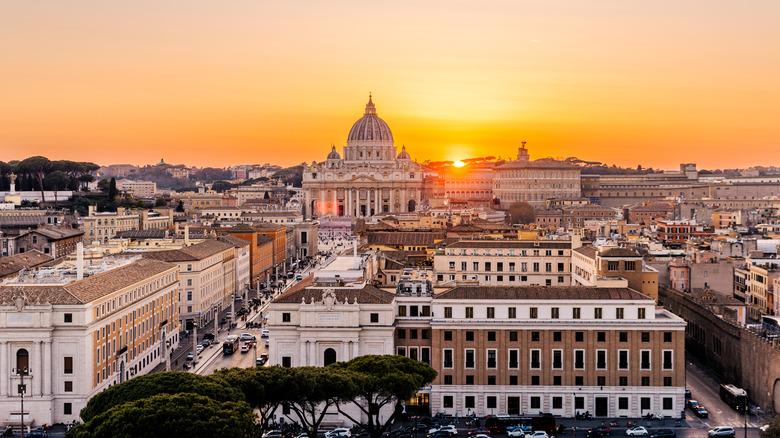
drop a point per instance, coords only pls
(112, 190)
(220, 186)
(160, 202)
(264, 388)
(171, 382)
(266, 195)
(103, 185)
(311, 391)
(384, 380)
(773, 429)
(56, 181)
(182, 414)
(37, 167)
(521, 212)
(180, 207)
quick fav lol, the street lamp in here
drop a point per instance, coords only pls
(194, 342)
(216, 315)
(22, 389)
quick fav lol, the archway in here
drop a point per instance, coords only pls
(329, 356)
(412, 205)
(22, 361)
(313, 207)
(776, 396)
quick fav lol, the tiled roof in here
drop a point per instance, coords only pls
(263, 239)
(142, 234)
(15, 263)
(366, 295)
(619, 252)
(540, 293)
(403, 238)
(88, 289)
(511, 244)
(199, 251)
(56, 233)
(587, 251)
(232, 240)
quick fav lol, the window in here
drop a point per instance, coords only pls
(514, 361)
(68, 317)
(425, 334)
(448, 335)
(401, 310)
(601, 381)
(622, 359)
(487, 266)
(668, 403)
(645, 360)
(470, 363)
(667, 360)
(601, 359)
(401, 351)
(286, 316)
(622, 402)
(579, 380)
(425, 355)
(645, 336)
(463, 266)
(534, 312)
(598, 313)
(491, 336)
(469, 336)
(579, 359)
(623, 380)
(68, 365)
(630, 265)
(513, 336)
(412, 333)
(426, 311)
(448, 312)
(557, 336)
(286, 361)
(491, 380)
(448, 379)
(557, 402)
(536, 359)
(512, 312)
(401, 333)
(500, 266)
(613, 265)
(557, 359)
(491, 312)
(644, 403)
(601, 336)
(468, 402)
(536, 402)
(413, 311)
(623, 336)
(534, 336)
(667, 381)
(469, 380)
(447, 358)
(452, 265)
(645, 381)
(640, 313)
(491, 402)
(555, 313)
(447, 401)
(576, 313)
(491, 358)
(374, 318)
(475, 266)
(667, 337)
(579, 336)
(513, 380)
(469, 312)
(67, 409)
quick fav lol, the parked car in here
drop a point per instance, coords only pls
(537, 434)
(273, 434)
(664, 433)
(267, 343)
(400, 433)
(688, 394)
(340, 432)
(693, 405)
(419, 427)
(479, 431)
(37, 433)
(245, 348)
(205, 343)
(440, 434)
(199, 349)
(190, 356)
(723, 431)
(517, 432)
(602, 430)
(209, 336)
(637, 431)
(702, 412)
(481, 435)
(247, 337)
(265, 333)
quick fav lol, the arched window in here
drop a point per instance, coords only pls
(22, 361)
(329, 356)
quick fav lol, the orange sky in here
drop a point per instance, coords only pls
(238, 82)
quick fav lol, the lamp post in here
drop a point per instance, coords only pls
(22, 389)
(194, 342)
(216, 315)
(747, 408)
(575, 414)
(167, 355)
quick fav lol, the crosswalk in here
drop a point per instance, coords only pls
(734, 424)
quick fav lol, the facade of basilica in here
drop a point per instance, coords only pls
(372, 177)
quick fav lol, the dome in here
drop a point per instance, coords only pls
(333, 155)
(403, 155)
(370, 128)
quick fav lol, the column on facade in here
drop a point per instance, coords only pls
(47, 367)
(355, 349)
(348, 202)
(403, 200)
(5, 364)
(39, 373)
(344, 350)
(312, 354)
(335, 208)
(392, 201)
(304, 360)
(378, 200)
(307, 204)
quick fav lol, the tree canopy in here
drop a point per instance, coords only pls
(773, 431)
(521, 212)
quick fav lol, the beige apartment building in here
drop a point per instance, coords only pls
(207, 275)
(607, 266)
(139, 189)
(99, 227)
(76, 337)
(504, 263)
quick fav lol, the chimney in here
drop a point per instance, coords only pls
(79, 261)
(187, 235)
(355, 264)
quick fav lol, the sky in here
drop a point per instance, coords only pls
(210, 83)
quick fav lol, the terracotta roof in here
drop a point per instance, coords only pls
(366, 295)
(142, 234)
(587, 251)
(232, 240)
(57, 233)
(541, 293)
(619, 252)
(263, 239)
(199, 251)
(12, 264)
(547, 244)
(403, 238)
(88, 289)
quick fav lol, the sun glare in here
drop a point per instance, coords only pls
(459, 163)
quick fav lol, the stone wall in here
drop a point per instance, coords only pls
(735, 354)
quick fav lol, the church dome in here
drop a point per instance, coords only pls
(333, 155)
(403, 155)
(370, 128)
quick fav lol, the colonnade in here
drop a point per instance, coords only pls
(327, 202)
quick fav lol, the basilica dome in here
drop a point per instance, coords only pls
(403, 155)
(333, 155)
(370, 128)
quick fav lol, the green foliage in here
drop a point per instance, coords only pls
(183, 414)
(180, 207)
(160, 202)
(264, 388)
(172, 382)
(103, 185)
(773, 431)
(521, 212)
(311, 391)
(80, 205)
(37, 167)
(220, 186)
(112, 190)
(291, 175)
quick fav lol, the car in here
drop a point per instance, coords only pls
(637, 431)
(245, 348)
(447, 428)
(688, 394)
(764, 428)
(479, 431)
(205, 343)
(693, 405)
(247, 337)
(190, 356)
(419, 427)
(267, 343)
(722, 431)
(481, 435)
(664, 433)
(601, 430)
(702, 412)
(209, 336)
(199, 349)
(265, 333)
(340, 432)
(440, 434)
(37, 433)
(517, 432)
(400, 433)
(273, 434)
(537, 434)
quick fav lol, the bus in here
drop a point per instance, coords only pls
(734, 397)
(505, 423)
(230, 345)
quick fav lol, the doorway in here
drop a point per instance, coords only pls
(513, 405)
(602, 406)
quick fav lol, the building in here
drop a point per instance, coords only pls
(613, 267)
(101, 226)
(678, 232)
(11, 265)
(76, 337)
(534, 181)
(470, 185)
(243, 262)
(504, 263)
(54, 241)
(261, 253)
(371, 178)
(139, 189)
